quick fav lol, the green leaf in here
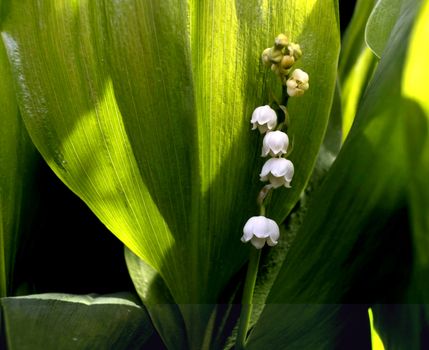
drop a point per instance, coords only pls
(356, 216)
(17, 159)
(310, 114)
(165, 315)
(380, 24)
(64, 321)
(416, 96)
(312, 326)
(143, 108)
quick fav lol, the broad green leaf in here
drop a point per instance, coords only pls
(165, 315)
(312, 326)
(331, 145)
(380, 24)
(416, 95)
(310, 114)
(356, 215)
(17, 158)
(64, 321)
(142, 108)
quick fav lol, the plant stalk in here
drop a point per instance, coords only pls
(246, 301)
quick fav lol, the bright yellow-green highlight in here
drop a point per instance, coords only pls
(376, 341)
(353, 88)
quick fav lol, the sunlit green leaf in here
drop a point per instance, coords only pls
(142, 108)
(358, 213)
(63, 321)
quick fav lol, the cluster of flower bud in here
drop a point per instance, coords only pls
(281, 57)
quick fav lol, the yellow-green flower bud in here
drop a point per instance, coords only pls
(281, 41)
(276, 56)
(287, 62)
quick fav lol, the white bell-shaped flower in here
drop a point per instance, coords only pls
(275, 143)
(264, 118)
(278, 171)
(258, 230)
(297, 83)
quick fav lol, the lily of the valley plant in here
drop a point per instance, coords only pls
(129, 171)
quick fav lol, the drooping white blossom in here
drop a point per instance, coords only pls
(260, 230)
(297, 83)
(275, 143)
(278, 171)
(264, 118)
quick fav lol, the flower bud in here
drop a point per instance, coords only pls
(275, 143)
(260, 230)
(276, 56)
(278, 171)
(281, 41)
(297, 84)
(264, 118)
(287, 62)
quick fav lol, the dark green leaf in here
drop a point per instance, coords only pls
(312, 326)
(416, 107)
(165, 315)
(64, 321)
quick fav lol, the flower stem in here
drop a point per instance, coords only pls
(246, 301)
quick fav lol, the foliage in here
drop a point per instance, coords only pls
(142, 109)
